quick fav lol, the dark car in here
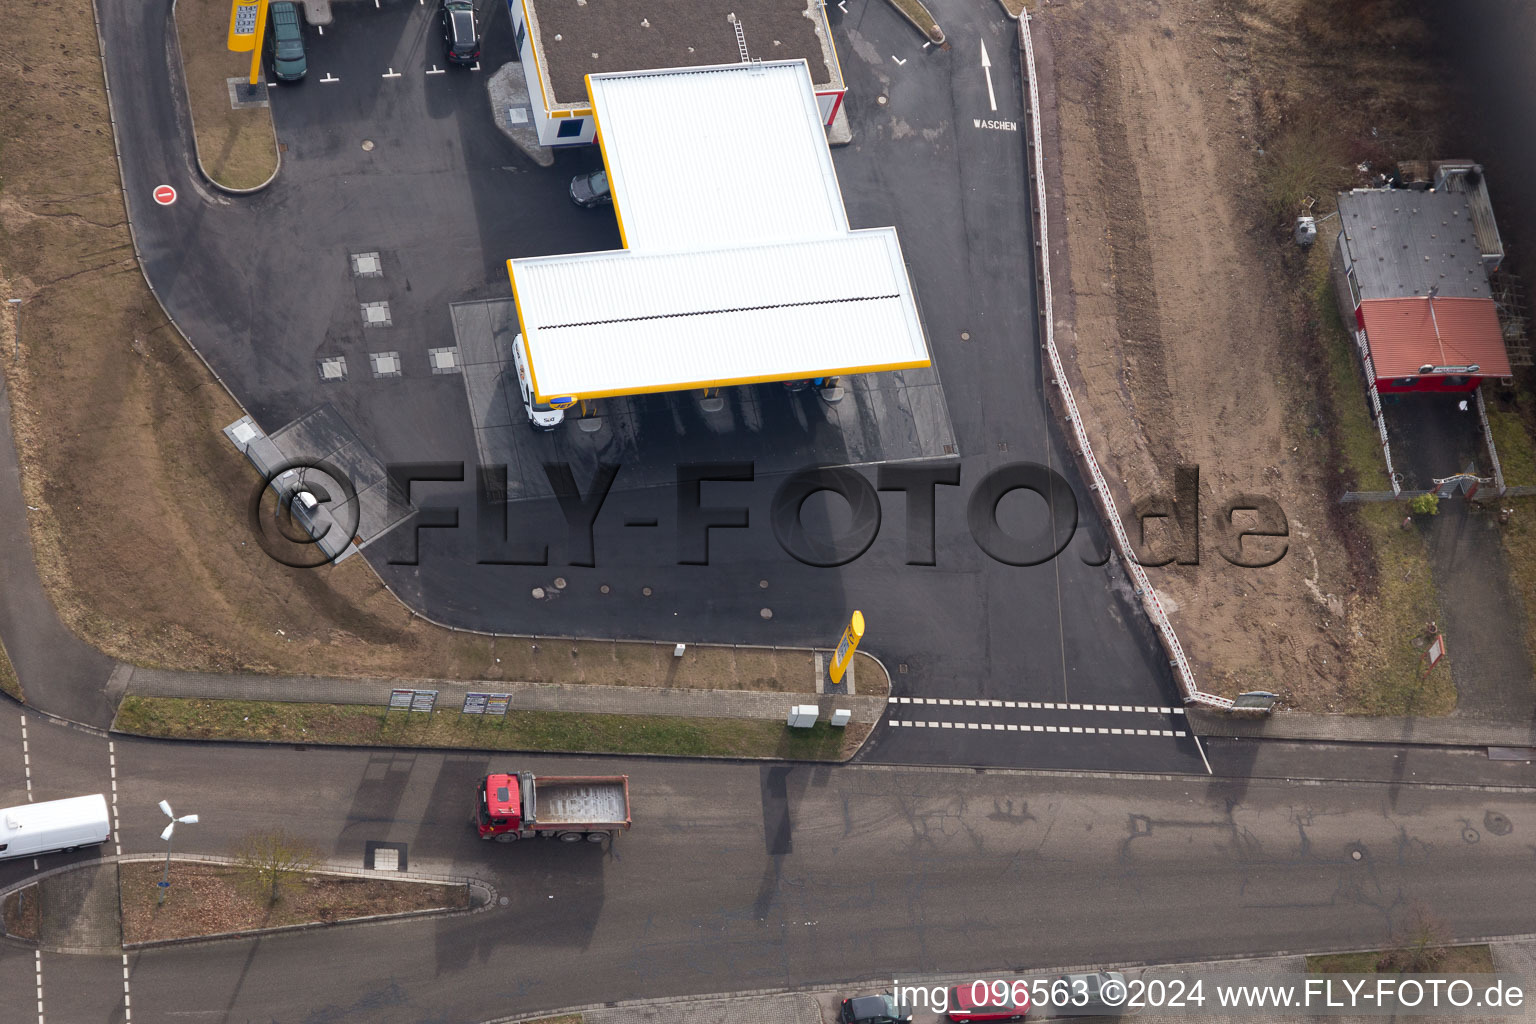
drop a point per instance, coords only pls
(1097, 994)
(285, 42)
(969, 1003)
(590, 190)
(461, 33)
(873, 1010)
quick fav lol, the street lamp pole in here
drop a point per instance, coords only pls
(187, 819)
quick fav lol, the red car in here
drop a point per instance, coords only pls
(971, 1002)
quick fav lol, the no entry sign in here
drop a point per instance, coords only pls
(165, 195)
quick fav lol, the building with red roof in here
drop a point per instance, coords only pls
(1411, 268)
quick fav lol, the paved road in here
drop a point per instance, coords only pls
(262, 286)
(741, 875)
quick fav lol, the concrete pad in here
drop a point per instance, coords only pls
(509, 100)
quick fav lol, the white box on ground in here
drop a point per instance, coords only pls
(678, 650)
(841, 717)
(802, 716)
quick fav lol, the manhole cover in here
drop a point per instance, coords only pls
(538, 593)
(504, 901)
(762, 584)
(646, 591)
(1497, 823)
(766, 613)
(603, 589)
(559, 582)
(367, 145)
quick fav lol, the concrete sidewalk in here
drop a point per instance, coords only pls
(591, 698)
(1452, 731)
(1513, 956)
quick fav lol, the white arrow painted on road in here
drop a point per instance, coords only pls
(986, 65)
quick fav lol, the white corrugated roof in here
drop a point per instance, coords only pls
(739, 264)
(705, 157)
(622, 322)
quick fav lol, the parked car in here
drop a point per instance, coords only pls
(461, 32)
(873, 1010)
(1096, 994)
(590, 190)
(285, 42)
(542, 415)
(971, 1003)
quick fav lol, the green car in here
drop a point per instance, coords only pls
(285, 42)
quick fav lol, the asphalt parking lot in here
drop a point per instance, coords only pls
(399, 198)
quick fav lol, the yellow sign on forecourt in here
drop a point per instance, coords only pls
(848, 643)
(247, 22)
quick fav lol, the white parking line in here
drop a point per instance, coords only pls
(329, 78)
(392, 72)
(437, 70)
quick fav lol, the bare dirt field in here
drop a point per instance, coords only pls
(1189, 131)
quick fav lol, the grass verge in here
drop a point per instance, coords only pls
(9, 683)
(1519, 536)
(21, 917)
(237, 147)
(556, 731)
(212, 899)
(1476, 959)
(1385, 676)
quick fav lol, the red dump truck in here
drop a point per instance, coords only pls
(570, 808)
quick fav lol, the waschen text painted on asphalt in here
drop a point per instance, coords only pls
(1265, 522)
(1000, 126)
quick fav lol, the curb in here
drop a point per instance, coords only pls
(197, 153)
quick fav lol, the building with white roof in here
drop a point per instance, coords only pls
(739, 266)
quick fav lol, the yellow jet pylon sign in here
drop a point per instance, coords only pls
(247, 22)
(846, 645)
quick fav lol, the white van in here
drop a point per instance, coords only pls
(53, 825)
(541, 415)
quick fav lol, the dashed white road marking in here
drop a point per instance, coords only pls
(112, 764)
(1034, 705)
(26, 757)
(127, 995)
(39, 962)
(1066, 730)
